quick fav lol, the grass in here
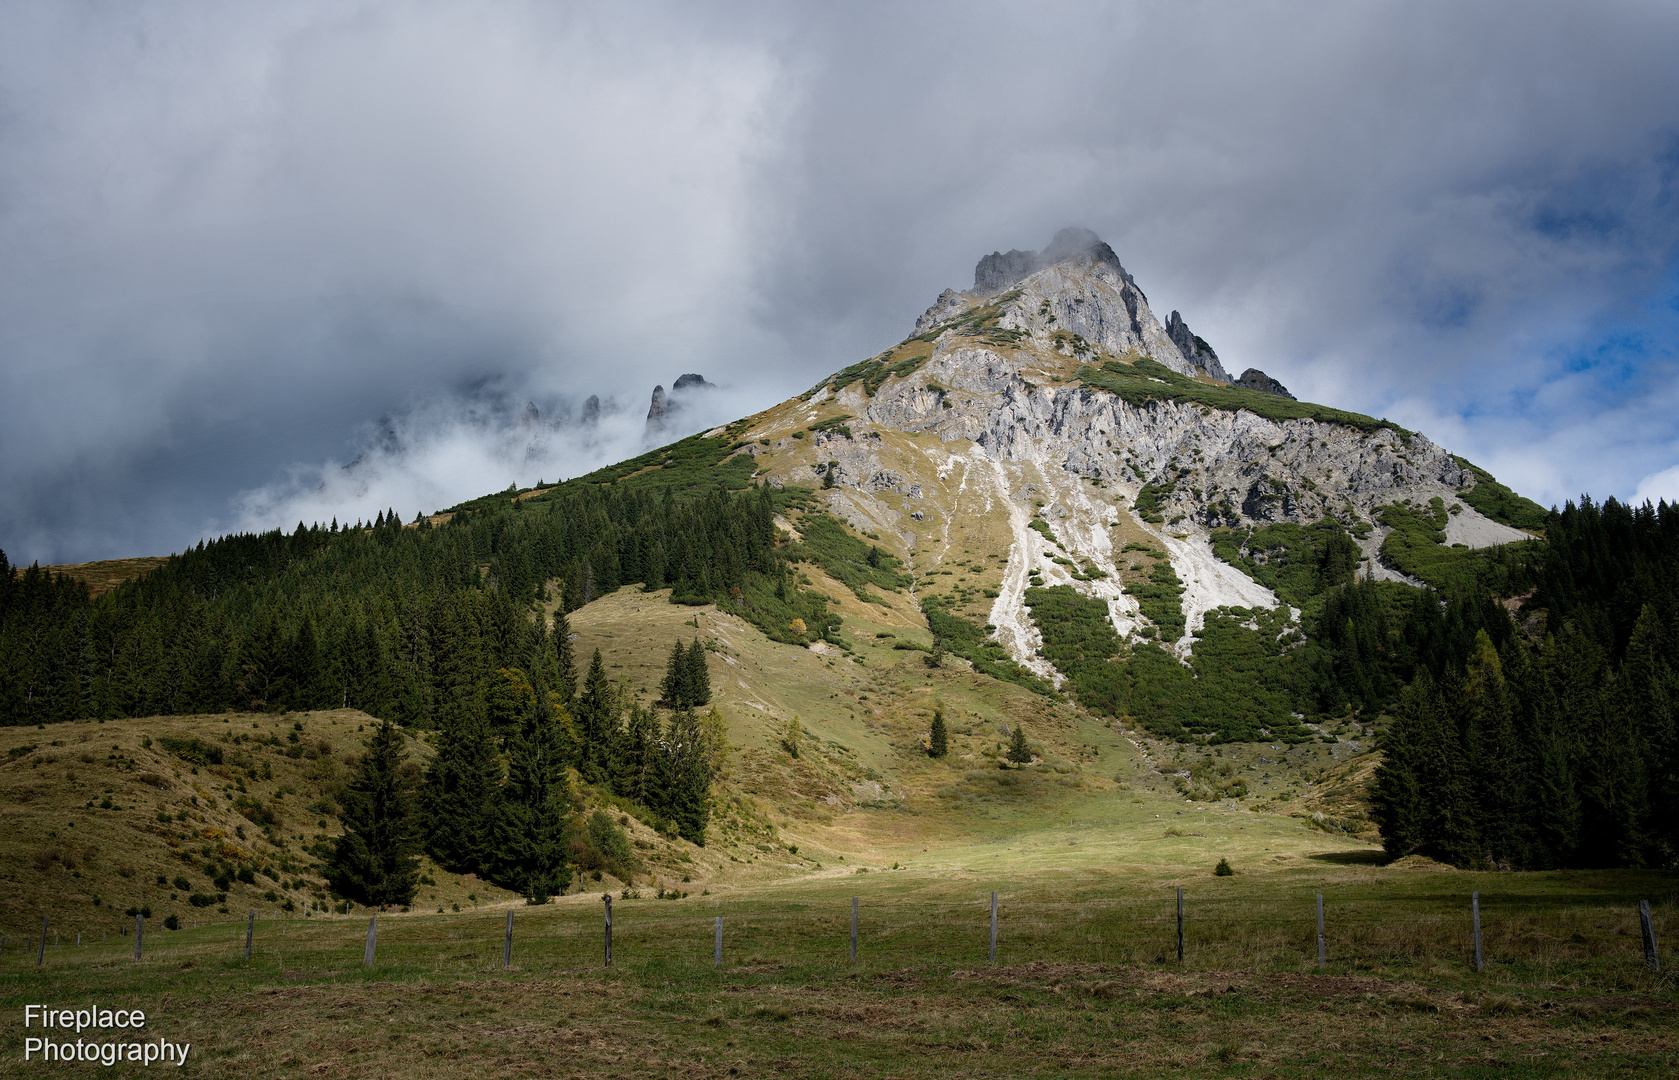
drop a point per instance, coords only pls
(108, 574)
(685, 467)
(1145, 380)
(1086, 981)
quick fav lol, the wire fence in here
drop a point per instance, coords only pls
(1437, 931)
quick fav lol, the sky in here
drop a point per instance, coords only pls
(263, 263)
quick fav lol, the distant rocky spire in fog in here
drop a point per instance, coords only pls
(662, 411)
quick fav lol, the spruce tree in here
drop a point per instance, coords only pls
(938, 739)
(699, 677)
(564, 655)
(684, 794)
(596, 713)
(1019, 753)
(460, 795)
(533, 811)
(374, 861)
(508, 700)
(674, 689)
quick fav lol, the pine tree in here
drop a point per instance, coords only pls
(674, 690)
(938, 740)
(686, 777)
(374, 861)
(1397, 796)
(699, 677)
(564, 656)
(508, 701)
(1018, 752)
(460, 795)
(534, 808)
(1494, 757)
(262, 682)
(304, 666)
(596, 712)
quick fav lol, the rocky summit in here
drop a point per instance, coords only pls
(1043, 426)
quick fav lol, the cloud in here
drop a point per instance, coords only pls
(1658, 487)
(243, 234)
(233, 239)
(444, 450)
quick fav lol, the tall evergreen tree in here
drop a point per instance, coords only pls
(534, 808)
(597, 720)
(460, 794)
(684, 788)
(374, 861)
(699, 677)
(674, 689)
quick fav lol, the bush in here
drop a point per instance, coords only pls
(172, 923)
(200, 900)
(1223, 869)
(607, 847)
(180, 883)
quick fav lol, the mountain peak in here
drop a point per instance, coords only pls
(998, 270)
(1074, 296)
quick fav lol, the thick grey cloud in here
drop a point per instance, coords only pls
(242, 248)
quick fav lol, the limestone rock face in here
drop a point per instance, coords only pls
(1254, 379)
(1193, 349)
(949, 305)
(983, 436)
(1075, 296)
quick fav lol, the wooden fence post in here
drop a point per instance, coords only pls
(993, 928)
(1180, 924)
(1320, 931)
(507, 942)
(372, 941)
(139, 932)
(853, 929)
(1475, 917)
(1652, 959)
(250, 929)
(607, 897)
(717, 945)
(41, 956)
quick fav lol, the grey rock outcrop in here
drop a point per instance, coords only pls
(1076, 295)
(590, 416)
(998, 270)
(949, 305)
(659, 411)
(1254, 379)
(663, 411)
(1193, 349)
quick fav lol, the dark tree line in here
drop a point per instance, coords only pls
(405, 623)
(1556, 750)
